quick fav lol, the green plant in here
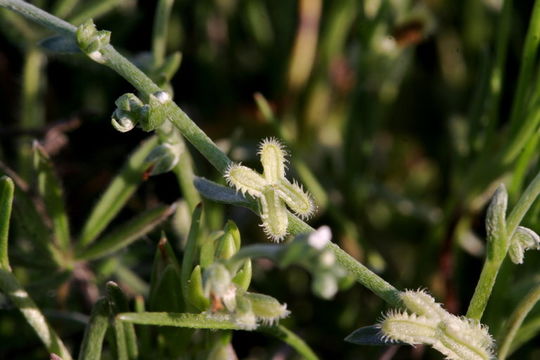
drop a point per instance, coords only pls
(207, 288)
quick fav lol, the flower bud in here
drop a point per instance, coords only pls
(164, 158)
(324, 284)
(91, 41)
(320, 238)
(157, 113)
(216, 280)
(496, 216)
(130, 110)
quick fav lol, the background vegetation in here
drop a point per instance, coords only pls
(401, 118)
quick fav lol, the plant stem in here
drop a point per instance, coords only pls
(523, 205)
(20, 298)
(516, 319)
(201, 141)
(286, 335)
(493, 263)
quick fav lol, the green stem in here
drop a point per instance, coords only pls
(286, 335)
(493, 263)
(523, 205)
(201, 141)
(20, 298)
(516, 319)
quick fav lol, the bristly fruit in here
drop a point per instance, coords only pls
(274, 192)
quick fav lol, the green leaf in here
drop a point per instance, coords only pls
(118, 193)
(219, 193)
(60, 44)
(287, 336)
(95, 331)
(50, 189)
(6, 201)
(369, 335)
(166, 295)
(126, 339)
(195, 292)
(32, 224)
(127, 233)
(243, 276)
(184, 320)
(190, 249)
(10, 286)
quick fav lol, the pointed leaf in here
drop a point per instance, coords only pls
(95, 331)
(126, 339)
(6, 201)
(50, 189)
(190, 249)
(61, 45)
(127, 233)
(219, 193)
(369, 335)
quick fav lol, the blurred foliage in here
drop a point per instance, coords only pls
(387, 105)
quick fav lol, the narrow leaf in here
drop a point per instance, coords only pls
(128, 232)
(369, 335)
(195, 291)
(50, 189)
(60, 44)
(10, 286)
(117, 194)
(219, 193)
(95, 331)
(194, 321)
(190, 249)
(6, 201)
(126, 339)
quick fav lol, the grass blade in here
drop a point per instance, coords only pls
(127, 233)
(95, 332)
(117, 194)
(6, 201)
